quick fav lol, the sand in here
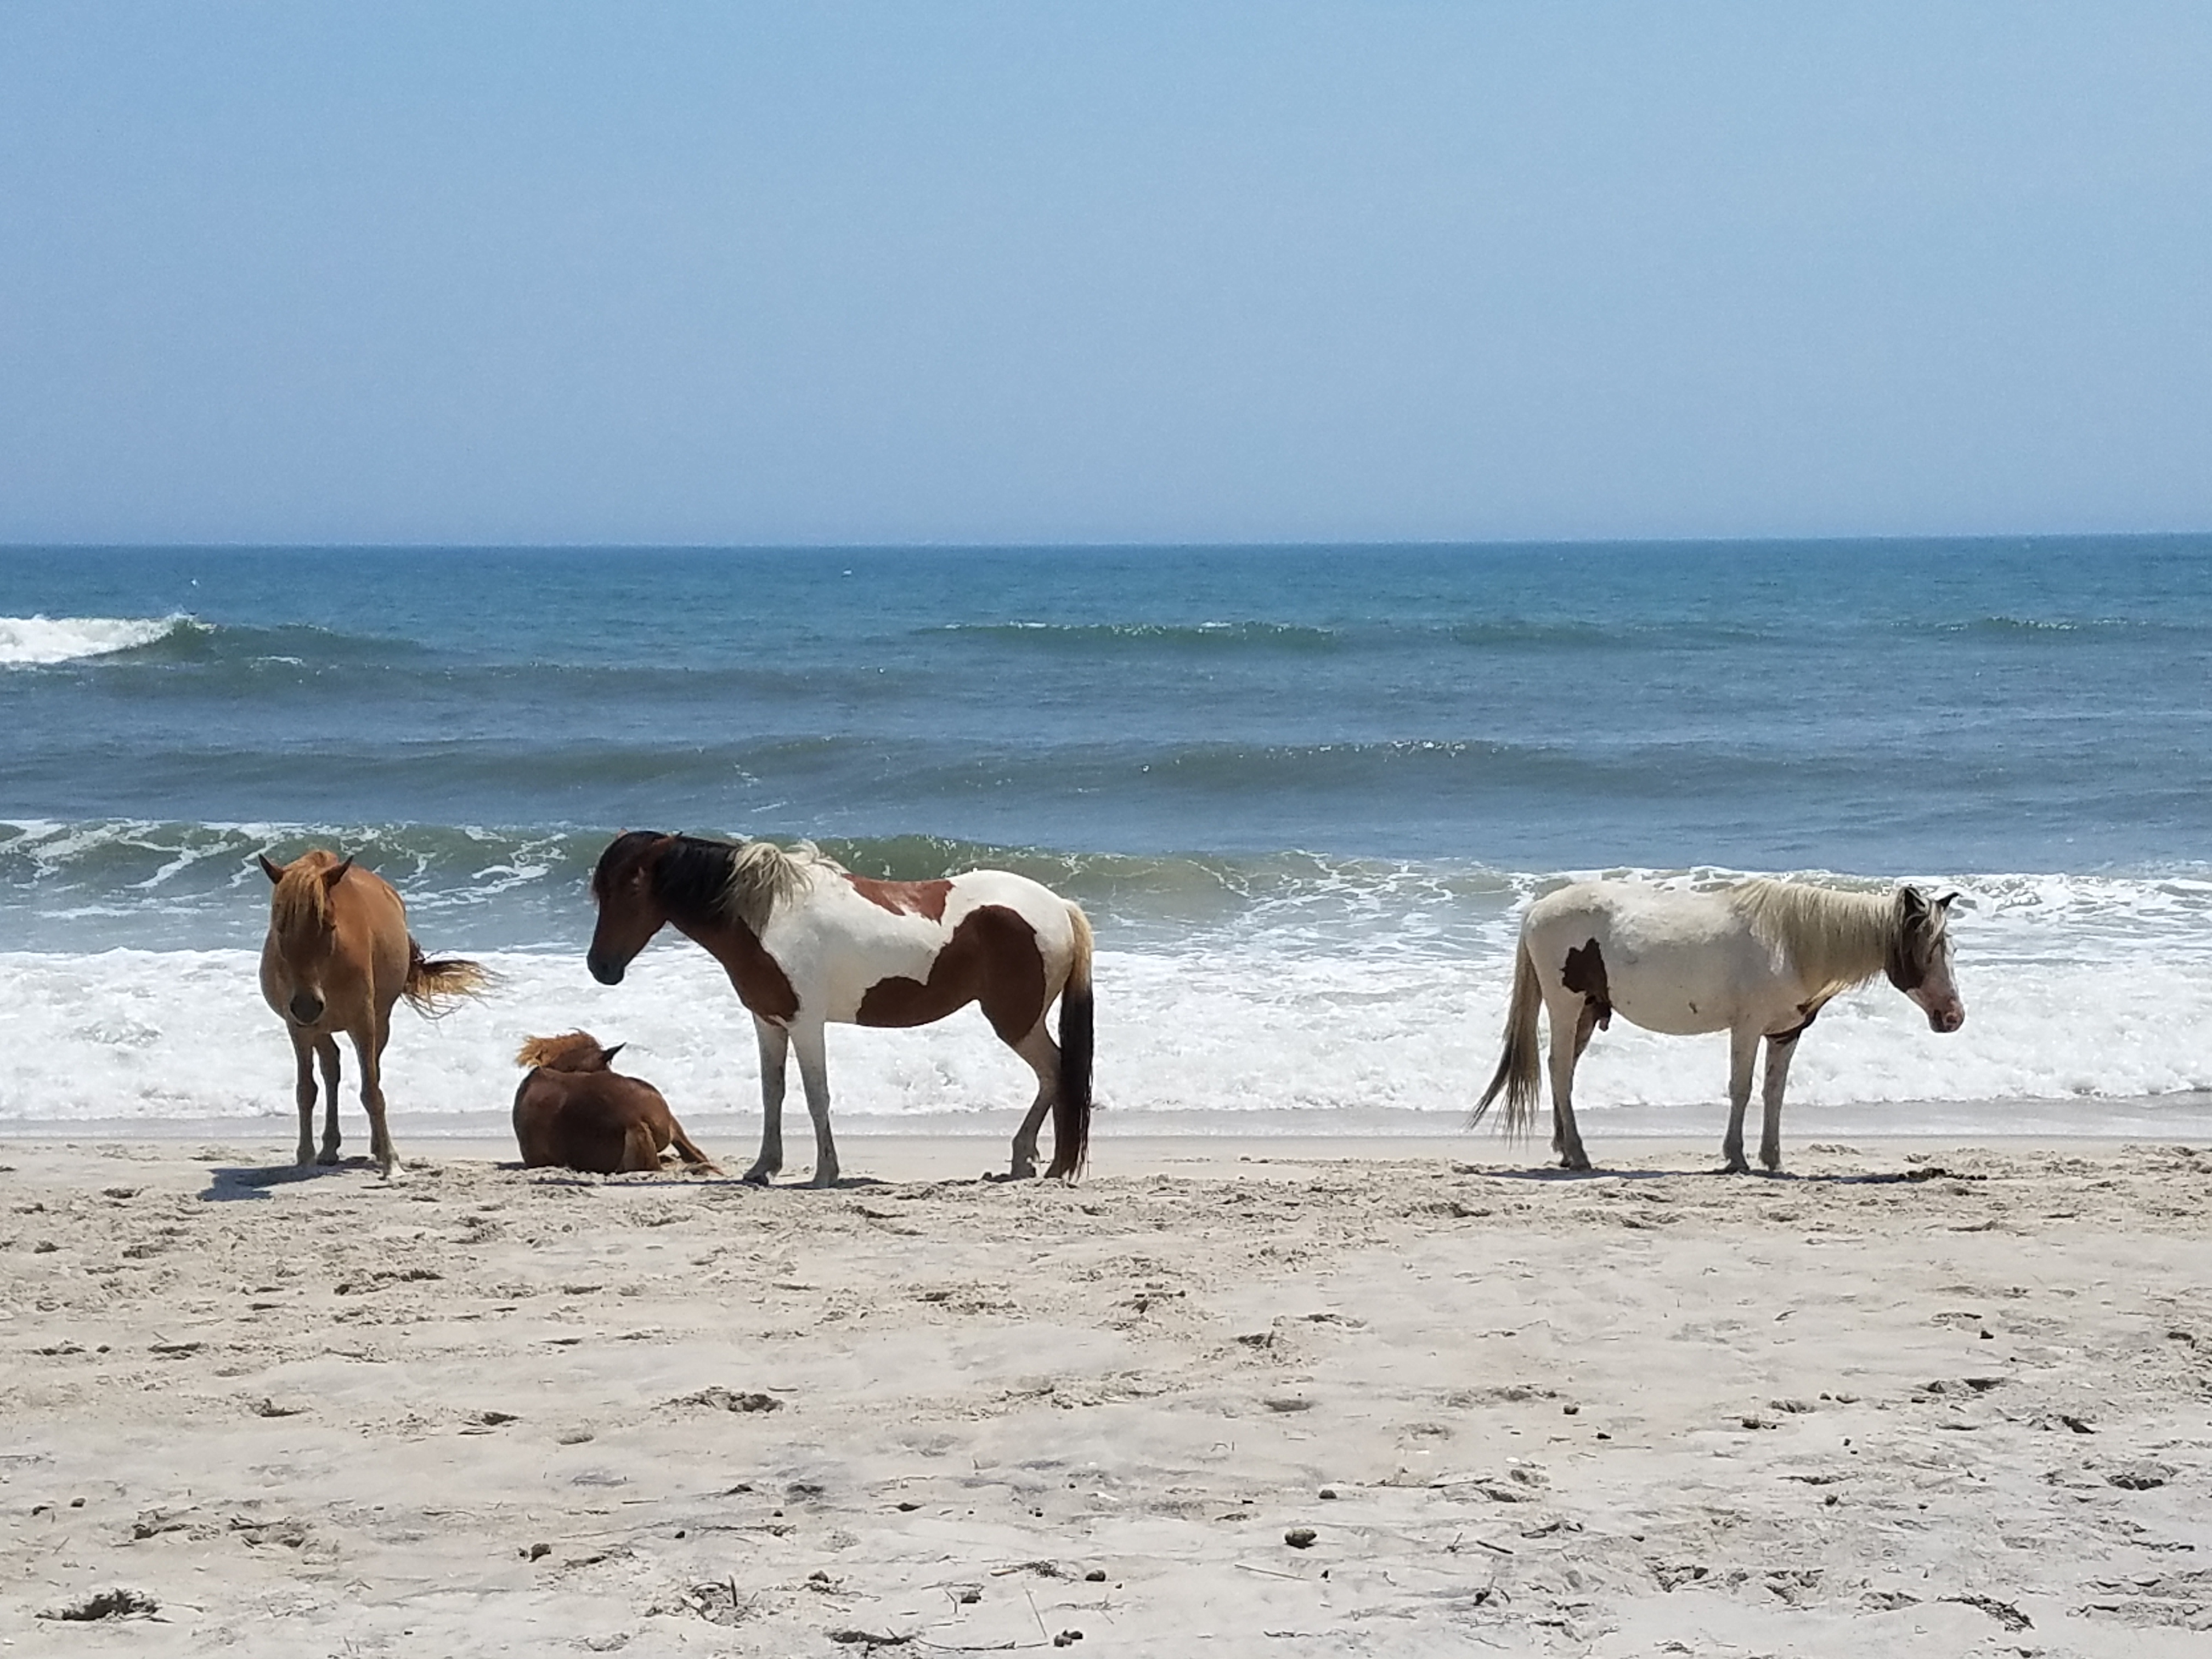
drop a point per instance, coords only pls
(1263, 1397)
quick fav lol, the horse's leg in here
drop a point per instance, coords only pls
(1743, 1053)
(641, 1149)
(1780, 1051)
(775, 1049)
(327, 1050)
(303, 1090)
(814, 1077)
(1043, 1056)
(369, 1055)
(1566, 1137)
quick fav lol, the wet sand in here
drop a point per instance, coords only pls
(1263, 1396)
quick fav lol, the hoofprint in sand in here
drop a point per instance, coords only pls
(1917, 1400)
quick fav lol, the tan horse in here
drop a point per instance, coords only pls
(337, 957)
(575, 1111)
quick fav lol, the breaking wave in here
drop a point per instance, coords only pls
(39, 641)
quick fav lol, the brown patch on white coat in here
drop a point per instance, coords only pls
(575, 1112)
(806, 943)
(904, 898)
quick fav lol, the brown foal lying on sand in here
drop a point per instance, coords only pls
(575, 1111)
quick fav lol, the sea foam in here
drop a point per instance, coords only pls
(1230, 1039)
(33, 642)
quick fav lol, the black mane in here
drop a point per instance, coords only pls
(690, 873)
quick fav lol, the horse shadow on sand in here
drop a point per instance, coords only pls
(1869, 1178)
(230, 1183)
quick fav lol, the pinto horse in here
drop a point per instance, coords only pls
(1757, 960)
(575, 1111)
(806, 943)
(337, 957)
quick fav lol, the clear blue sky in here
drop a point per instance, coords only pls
(1067, 271)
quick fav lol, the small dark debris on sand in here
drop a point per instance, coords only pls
(152, 1523)
(1300, 1538)
(2139, 1477)
(715, 1601)
(726, 1399)
(116, 1603)
(2003, 1612)
(292, 1534)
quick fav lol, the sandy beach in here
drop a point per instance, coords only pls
(1263, 1397)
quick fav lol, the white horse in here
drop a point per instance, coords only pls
(1760, 959)
(808, 943)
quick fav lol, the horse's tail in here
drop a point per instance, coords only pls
(694, 1160)
(434, 990)
(1070, 1099)
(1516, 1073)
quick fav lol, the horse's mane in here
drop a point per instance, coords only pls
(302, 898)
(743, 880)
(1836, 940)
(572, 1051)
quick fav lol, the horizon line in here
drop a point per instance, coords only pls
(1382, 545)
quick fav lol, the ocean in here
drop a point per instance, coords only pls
(1303, 793)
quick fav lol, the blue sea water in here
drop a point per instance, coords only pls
(1303, 790)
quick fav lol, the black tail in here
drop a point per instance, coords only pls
(1070, 1101)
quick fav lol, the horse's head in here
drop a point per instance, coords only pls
(1919, 962)
(630, 908)
(301, 927)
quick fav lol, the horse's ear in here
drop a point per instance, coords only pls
(1944, 904)
(607, 1055)
(1910, 902)
(274, 872)
(333, 877)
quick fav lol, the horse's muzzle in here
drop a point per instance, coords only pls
(307, 1008)
(607, 972)
(1946, 1020)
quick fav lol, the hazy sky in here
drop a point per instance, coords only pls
(1066, 271)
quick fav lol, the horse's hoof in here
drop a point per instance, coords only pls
(756, 1176)
(1735, 1166)
(826, 1178)
(326, 1157)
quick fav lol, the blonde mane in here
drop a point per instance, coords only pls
(763, 875)
(572, 1051)
(1835, 940)
(301, 900)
